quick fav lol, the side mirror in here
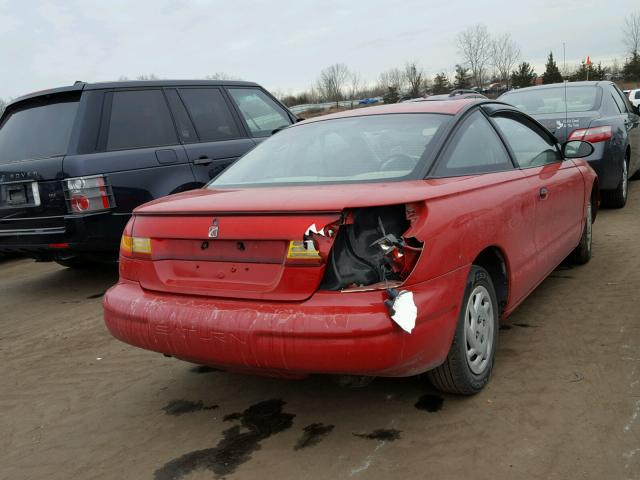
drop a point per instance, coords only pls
(577, 149)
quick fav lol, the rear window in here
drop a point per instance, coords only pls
(38, 128)
(343, 150)
(552, 100)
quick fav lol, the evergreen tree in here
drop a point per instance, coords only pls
(589, 72)
(552, 72)
(462, 78)
(391, 96)
(631, 68)
(441, 84)
(523, 76)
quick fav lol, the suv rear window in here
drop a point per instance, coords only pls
(140, 118)
(38, 128)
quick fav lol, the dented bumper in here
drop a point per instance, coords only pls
(332, 332)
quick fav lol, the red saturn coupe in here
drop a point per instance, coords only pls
(383, 241)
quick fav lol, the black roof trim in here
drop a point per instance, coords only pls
(133, 84)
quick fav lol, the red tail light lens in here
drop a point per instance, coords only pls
(592, 135)
(88, 194)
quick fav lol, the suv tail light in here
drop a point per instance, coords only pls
(592, 135)
(88, 194)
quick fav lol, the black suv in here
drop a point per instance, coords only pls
(75, 161)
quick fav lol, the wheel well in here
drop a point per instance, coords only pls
(493, 261)
(186, 187)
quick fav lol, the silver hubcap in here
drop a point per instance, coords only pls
(625, 179)
(479, 322)
(589, 227)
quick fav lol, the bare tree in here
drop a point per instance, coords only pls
(151, 76)
(505, 54)
(355, 84)
(474, 45)
(221, 76)
(393, 78)
(415, 77)
(631, 31)
(332, 82)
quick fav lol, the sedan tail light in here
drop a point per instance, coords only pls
(88, 194)
(592, 135)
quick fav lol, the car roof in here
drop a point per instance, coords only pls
(555, 85)
(78, 86)
(450, 107)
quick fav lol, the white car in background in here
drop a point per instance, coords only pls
(634, 97)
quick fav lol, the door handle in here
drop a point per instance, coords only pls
(544, 193)
(202, 160)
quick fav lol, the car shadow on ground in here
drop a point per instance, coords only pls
(57, 281)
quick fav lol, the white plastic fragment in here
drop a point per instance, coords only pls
(405, 311)
(313, 229)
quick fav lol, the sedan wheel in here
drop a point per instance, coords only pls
(618, 198)
(470, 360)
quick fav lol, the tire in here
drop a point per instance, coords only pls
(582, 253)
(618, 198)
(462, 373)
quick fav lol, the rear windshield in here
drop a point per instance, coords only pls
(37, 129)
(343, 150)
(552, 100)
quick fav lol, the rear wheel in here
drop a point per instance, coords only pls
(470, 360)
(582, 253)
(618, 198)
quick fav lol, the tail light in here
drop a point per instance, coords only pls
(135, 247)
(592, 135)
(88, 194)
(303, 253)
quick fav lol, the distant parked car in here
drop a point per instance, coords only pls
(634, 98)
(454, 95)
(383, 241)
(75, 161)
(597, 112)
(368, 101)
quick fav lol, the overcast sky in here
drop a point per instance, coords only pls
(279, 44)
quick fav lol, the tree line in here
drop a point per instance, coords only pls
(483, 60)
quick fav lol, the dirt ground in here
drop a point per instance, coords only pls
(563, 403)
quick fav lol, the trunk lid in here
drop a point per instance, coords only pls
(561, 126)
(248, 257)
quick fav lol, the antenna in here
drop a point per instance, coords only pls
(566, 108)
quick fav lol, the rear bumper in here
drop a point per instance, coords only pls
(332, 332)
(63, 235)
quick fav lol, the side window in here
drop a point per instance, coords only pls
(637, 97)
(530, 148)
(140, 118)
(210, 114)
(262, 114)
(619, 101)
(476, 148)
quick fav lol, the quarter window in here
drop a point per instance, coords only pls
(210, 114)
(475, 149)
(261, 113)
(619, 101)
(140, 118)
(529, 147)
